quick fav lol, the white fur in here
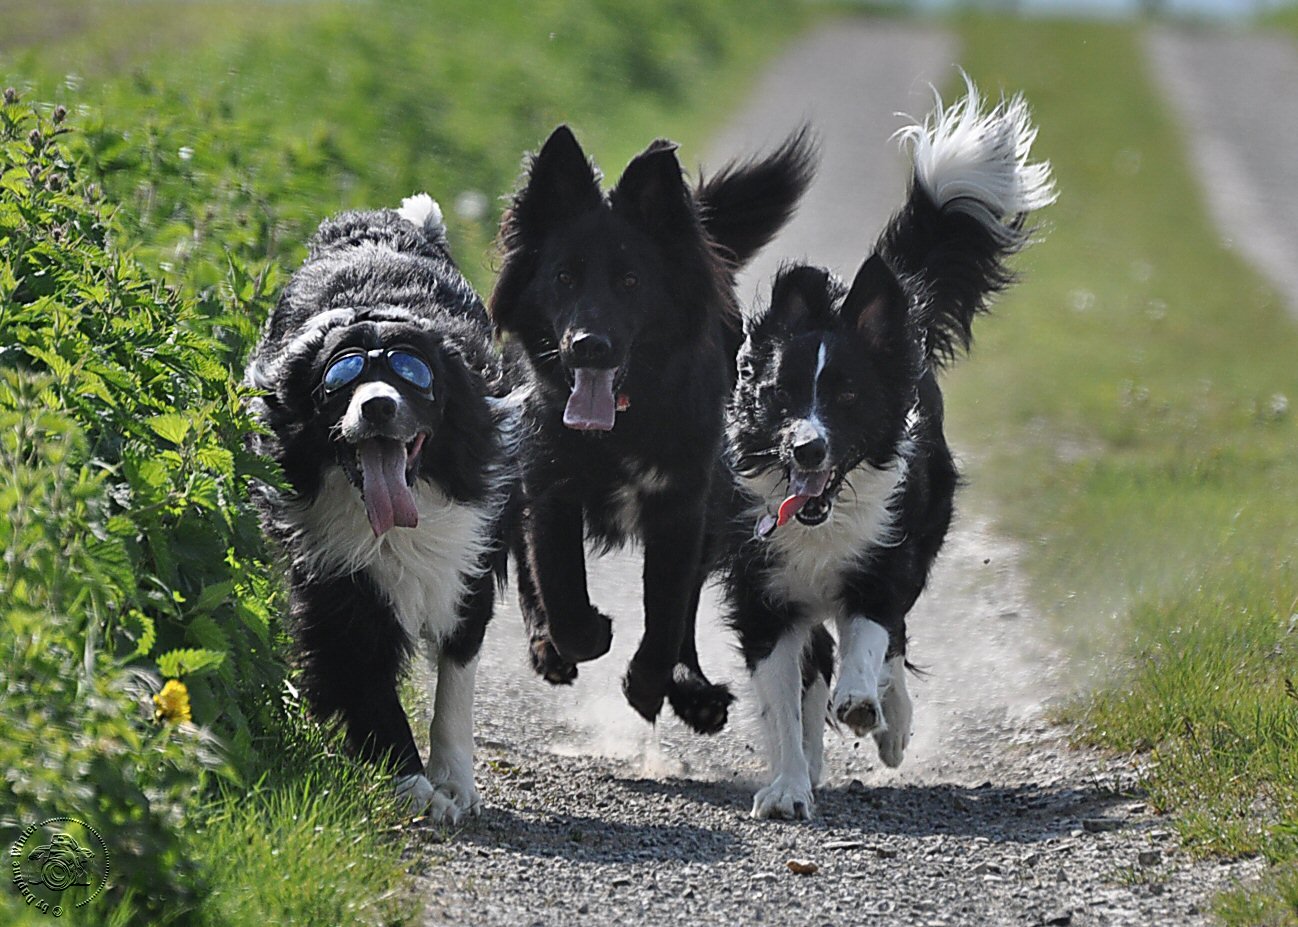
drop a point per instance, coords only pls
(421, 570)
(977, 163)
(815, 703)
(450, 739)
(422, 211)
(777, 680)
(863, 676)
(812, 558)
(898, 712)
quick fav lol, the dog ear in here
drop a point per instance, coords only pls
(652, 192)
(876, 305)
(800, 299)
(561, 183)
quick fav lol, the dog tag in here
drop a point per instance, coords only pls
(765, 526)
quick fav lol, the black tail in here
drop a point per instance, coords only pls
(965, 215)
(747, 202)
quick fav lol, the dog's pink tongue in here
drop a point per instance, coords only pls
(591, 405)
(803, 487)
(388, 500)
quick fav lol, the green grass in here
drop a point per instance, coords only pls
(1128, 411)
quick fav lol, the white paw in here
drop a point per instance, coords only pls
(454, 781)
(440, 804)
(898, 713)
(784, 798)
(861, 711)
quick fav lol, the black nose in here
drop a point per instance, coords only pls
(379, 409)
(810, 454)
(588, 349)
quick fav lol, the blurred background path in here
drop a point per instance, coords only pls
(1234, 93)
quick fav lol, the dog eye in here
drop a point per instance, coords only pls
(846, 398)
(564, 278)
(630, 281)
(343, 371)
(411, 368)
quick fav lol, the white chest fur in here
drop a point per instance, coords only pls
(810, 560)
(420, 570)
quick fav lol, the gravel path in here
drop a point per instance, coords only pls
(1234, 94)
(593, 817)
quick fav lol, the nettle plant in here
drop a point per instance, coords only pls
(177, 582)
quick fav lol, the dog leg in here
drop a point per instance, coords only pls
(541, 651)
(777, 681)
(703, 705)
(817, 668)
(673, 546)
(863, 674)
(450, 736)
(557, 557)
(897, 715)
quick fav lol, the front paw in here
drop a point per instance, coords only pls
(898, 713)
(786, 797)
(418, 797)
(860, 711)
(454, 783)
(547, 663)
(583, 636)
(705, 707)
(645, 688)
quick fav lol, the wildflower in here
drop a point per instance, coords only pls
(60, 113)
(172, 703)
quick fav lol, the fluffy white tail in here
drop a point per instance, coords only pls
(977, 163)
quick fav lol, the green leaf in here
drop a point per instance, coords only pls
(177, 663)
(170, 427)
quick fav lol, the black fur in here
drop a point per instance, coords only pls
(641, 281)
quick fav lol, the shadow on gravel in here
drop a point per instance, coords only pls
(582, 838)
(1024, 813)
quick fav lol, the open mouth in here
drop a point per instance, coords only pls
(810, 500)
(387, 470)
(593, 404)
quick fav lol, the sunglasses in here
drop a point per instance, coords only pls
(346, 368)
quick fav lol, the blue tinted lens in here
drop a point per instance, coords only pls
(343, 371)
(411, 368)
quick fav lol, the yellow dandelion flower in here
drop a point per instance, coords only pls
(172, 703)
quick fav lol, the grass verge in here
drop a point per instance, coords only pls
(1131, 410)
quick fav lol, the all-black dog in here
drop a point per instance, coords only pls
(838, 414)
(383, 403)
(624, 305)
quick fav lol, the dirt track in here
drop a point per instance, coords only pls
(593, 817)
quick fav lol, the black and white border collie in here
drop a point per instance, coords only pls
(623, 304)
(386, 408)
(836, 429)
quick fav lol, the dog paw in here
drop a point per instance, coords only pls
(442, 803)
(582, 637)
(784, 798)
(645, 689)
(458, 788)
(702, 705)
(547, 663)
(861, 712)
(898, 714)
